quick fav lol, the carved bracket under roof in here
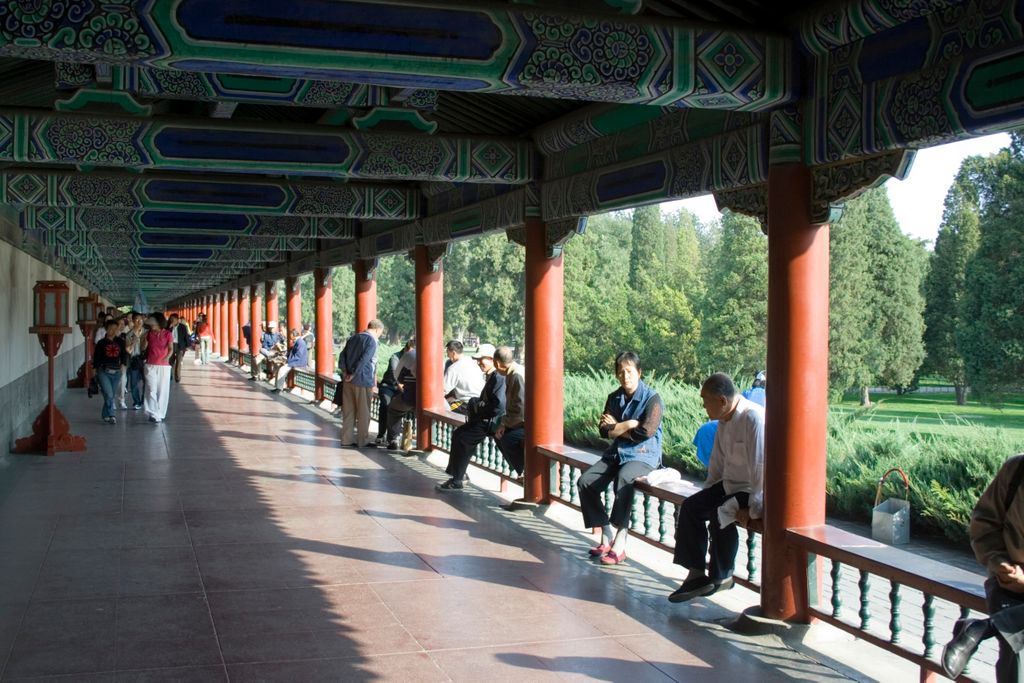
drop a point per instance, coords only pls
(370, 269)
(556, 234)
(831, 184)
(435, 255)
(750, 201)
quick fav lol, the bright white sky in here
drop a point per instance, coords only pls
(917, 201)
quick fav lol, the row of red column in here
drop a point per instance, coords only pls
(797, 350)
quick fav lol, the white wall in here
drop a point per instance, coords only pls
(20, 351)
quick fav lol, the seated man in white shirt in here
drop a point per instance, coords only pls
(462, 378)
(736, 470)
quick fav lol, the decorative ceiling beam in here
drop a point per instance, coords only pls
(832, 25)
(208, 194)
(856, 109)
(171, 84)
(127, 223)
(446, 45)
(665, 132)
(727, 161)
(208, 145)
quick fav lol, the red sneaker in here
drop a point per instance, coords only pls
(611, 557)
(598, 551)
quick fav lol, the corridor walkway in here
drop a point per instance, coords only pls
(236, 541)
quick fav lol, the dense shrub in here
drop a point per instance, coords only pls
(947, 472)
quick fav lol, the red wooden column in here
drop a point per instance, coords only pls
(215, 325)
(544, 358)
(324, 327)
(429, 340)
(797, 402)
(225, 326)
(232, 298)
(294, 302)
(255, 318)
(270, 291)
(366, 293)
(243, 317)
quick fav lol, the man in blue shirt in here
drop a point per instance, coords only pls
(268, 341)
(632, 419)
(298, 358)
(357, 366)
(704, 440)
(756, 392)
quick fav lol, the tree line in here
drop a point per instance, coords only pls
(691, 297)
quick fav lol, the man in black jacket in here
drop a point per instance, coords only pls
(180, 337)
(484, 415)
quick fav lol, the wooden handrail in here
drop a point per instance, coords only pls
(905, 568)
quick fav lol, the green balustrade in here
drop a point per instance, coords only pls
(894, 613)
(864, 584)
(837, 595)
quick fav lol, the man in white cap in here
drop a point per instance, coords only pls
(484, 414)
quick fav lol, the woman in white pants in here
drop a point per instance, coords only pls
(158, 347)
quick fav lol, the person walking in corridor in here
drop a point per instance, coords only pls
(109, 359)
(158, 346)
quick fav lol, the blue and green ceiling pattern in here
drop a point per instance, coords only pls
(447, 46)
(142, 144)
(164, 196)
(209, 194)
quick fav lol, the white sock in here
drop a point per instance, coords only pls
(621, 537)
(607, 533)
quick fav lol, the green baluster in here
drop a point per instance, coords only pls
(633, 517)
(574, 494)
(928, 608)
(662, 521)
(864, 584)
(837, 595)
(965, 613)
(609, 499)
(751, 556)
(647, 514)
(564, 479)
(894, 613)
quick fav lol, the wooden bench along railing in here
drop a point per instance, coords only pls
(486, 456)
(654, 508)
(653, 517)
(909, 576)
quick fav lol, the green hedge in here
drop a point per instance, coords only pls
(947, 473)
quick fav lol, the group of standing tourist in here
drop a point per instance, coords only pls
(137, 356)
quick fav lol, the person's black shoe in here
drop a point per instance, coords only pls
(252, 379)
(274, 391)
(392, 445)
(723, 585)
(449, 486)
(693, 588)
(348, 445)
(967, 636)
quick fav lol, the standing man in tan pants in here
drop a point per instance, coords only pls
(357, 365)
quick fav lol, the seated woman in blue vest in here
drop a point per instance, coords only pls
(632, 420)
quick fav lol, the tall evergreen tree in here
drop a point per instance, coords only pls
(876, 306)
(992, 338)
(733, 333)
(945, 285)
(647, 249)
(598, 322)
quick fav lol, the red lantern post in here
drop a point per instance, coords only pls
(88, 308)
(51, 431)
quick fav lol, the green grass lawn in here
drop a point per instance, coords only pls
(937, 413)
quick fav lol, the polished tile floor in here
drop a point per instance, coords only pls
(237, 541)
